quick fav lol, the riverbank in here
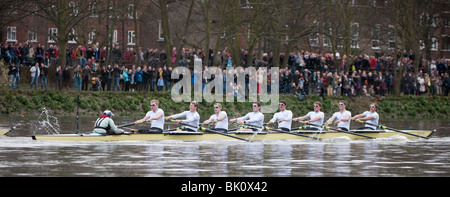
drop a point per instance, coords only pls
(136, 104)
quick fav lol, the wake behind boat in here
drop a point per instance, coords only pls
(250, 136)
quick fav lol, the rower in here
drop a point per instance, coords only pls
(342, 117)
(219, 118)
(255, 118)
(284, 117)
(315, 117)
(192, 118)
(370, 116)
(105, 125)
(155, 116)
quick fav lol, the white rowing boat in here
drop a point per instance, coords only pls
(250, 136)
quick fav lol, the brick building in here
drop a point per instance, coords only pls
(36, 30)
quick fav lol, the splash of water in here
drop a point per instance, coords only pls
(48, 122)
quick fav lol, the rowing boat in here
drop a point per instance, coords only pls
(3, 132)
(252, 136)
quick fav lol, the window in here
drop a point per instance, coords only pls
(73, 37)
(93, 9)
(52, 33)
(354, 33)
(314, 36)
(115, 37)
(376, 37)
(160, 32)
(131, 11)
(131, 38)
(91, 36)
(326, 39)
(314, 39)
(11, 34)
(32, 36)
(434, 44)
(391, 38)
(446, 43)
(427, 19)
(245, 4)
(73, 8)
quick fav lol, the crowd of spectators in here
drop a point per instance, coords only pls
(305, 73)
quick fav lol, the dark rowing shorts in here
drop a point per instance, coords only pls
(365, 128)
(150, 131)
(342, 128)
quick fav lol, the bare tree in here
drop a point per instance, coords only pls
(65, 15)
(413, 23)
(12, 11)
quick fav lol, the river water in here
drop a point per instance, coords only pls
(20, 156)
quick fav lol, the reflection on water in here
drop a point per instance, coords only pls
(20, 156)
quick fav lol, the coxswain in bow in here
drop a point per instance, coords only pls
(105, 125)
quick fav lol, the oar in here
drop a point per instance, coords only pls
(297, 134)
(130, 124)
(212, 131)
(339, 130)
(10, 130)
(384, 127)
(126, 125)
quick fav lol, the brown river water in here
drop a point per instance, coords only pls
(20, 156)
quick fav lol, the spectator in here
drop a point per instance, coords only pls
(126, 79)
(86, 76)
(138, 81)
(80, 55)
(43, 76)
(167, 77)
(434, 84)
(66, 77)
(116, 55)
(160, 84)
(117, 72)
(12, 75)
(383, 87)
(59, 78)
(77, 78)
(446, 84)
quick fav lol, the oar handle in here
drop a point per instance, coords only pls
(172, 120)
(131, 124)
(126, 125)
(303, 122)
(248, 125)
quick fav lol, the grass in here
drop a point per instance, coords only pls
(138, 103)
